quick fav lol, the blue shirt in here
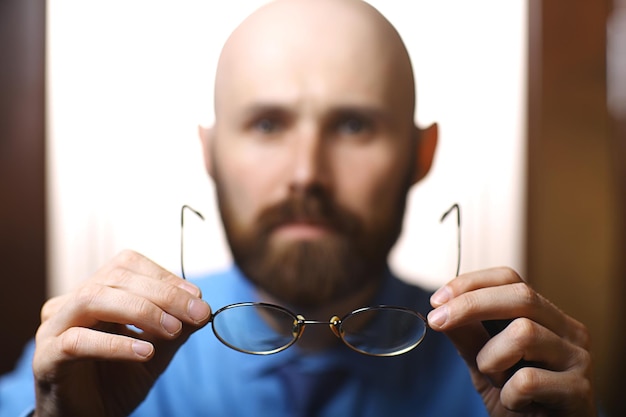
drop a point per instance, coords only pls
(206, 378)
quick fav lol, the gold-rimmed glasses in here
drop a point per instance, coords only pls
(262, 329)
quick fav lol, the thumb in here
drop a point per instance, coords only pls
(469, 340)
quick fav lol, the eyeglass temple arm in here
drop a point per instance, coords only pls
(182, 228)
(456, 207)
(493, 327)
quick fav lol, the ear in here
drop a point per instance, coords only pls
(206, 140)
(425, 150)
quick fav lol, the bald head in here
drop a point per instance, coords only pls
(317, 44)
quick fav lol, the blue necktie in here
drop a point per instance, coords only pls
(309, 391)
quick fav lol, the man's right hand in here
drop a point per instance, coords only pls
(89, 362)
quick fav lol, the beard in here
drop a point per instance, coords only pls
(311, 273)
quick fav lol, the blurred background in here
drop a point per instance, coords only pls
(99, 104)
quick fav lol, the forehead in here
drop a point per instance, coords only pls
(293, 72)
(304, 58)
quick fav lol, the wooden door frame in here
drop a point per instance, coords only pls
(22, 173)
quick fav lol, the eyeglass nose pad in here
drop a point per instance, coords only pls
(298, 326)
(334, 325)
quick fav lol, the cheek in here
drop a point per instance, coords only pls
(372, 183)
(248, 183)
(233, 187)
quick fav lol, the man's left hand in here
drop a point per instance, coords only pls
(539, 364)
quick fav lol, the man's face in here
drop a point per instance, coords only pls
(312, 156)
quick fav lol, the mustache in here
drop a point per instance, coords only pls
(310, 208)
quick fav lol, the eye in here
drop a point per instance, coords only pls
(353, 125)
(266, 126)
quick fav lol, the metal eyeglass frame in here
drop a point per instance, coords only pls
(335, 323)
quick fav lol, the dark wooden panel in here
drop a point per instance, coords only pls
(575, 241)
(616, 372)
(22, 195)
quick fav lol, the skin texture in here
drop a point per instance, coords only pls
(305, 131)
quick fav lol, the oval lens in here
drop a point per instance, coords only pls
(383, 331)
(255, 327)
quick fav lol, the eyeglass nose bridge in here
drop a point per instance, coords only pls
(300, 323)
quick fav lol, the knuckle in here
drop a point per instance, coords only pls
(41, 335)
(120, 275)
(510, 274)
(85, 296)
(114, 347)
(523, 331)
(582, 336)
(471, 305)
(70, 341)
(127, 256)
(146, 311)
(526, 381)
(119, 261)
(170, 295)
(48, 309)
(518, 392)
(75, 342)
(526, 294)
(582, 359)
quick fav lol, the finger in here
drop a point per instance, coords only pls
(172, 295)
(474, 280)
(525, 343)
(526, 340)
(529, 388)
(82, 343)
(122, 273)
(128, 264)
(93, 304)
(490, 362)
(506, 302)
(469, 340)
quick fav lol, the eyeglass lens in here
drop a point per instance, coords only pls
(264, 329)
(255, 327)
(383, 331)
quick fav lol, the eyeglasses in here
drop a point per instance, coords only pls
(263, 329)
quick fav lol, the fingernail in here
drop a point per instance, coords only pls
(438, 317)
(143, 349)
(198, 310)
(170, 323)
(441, 296)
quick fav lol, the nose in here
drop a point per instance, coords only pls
(309, 163)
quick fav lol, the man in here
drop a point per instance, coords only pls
(313, 151)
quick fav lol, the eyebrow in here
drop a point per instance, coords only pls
(261, 108)
(378, 114)
(273, 109)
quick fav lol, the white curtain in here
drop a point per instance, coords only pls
(129, 81)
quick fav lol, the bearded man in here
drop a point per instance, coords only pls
(313, 151)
